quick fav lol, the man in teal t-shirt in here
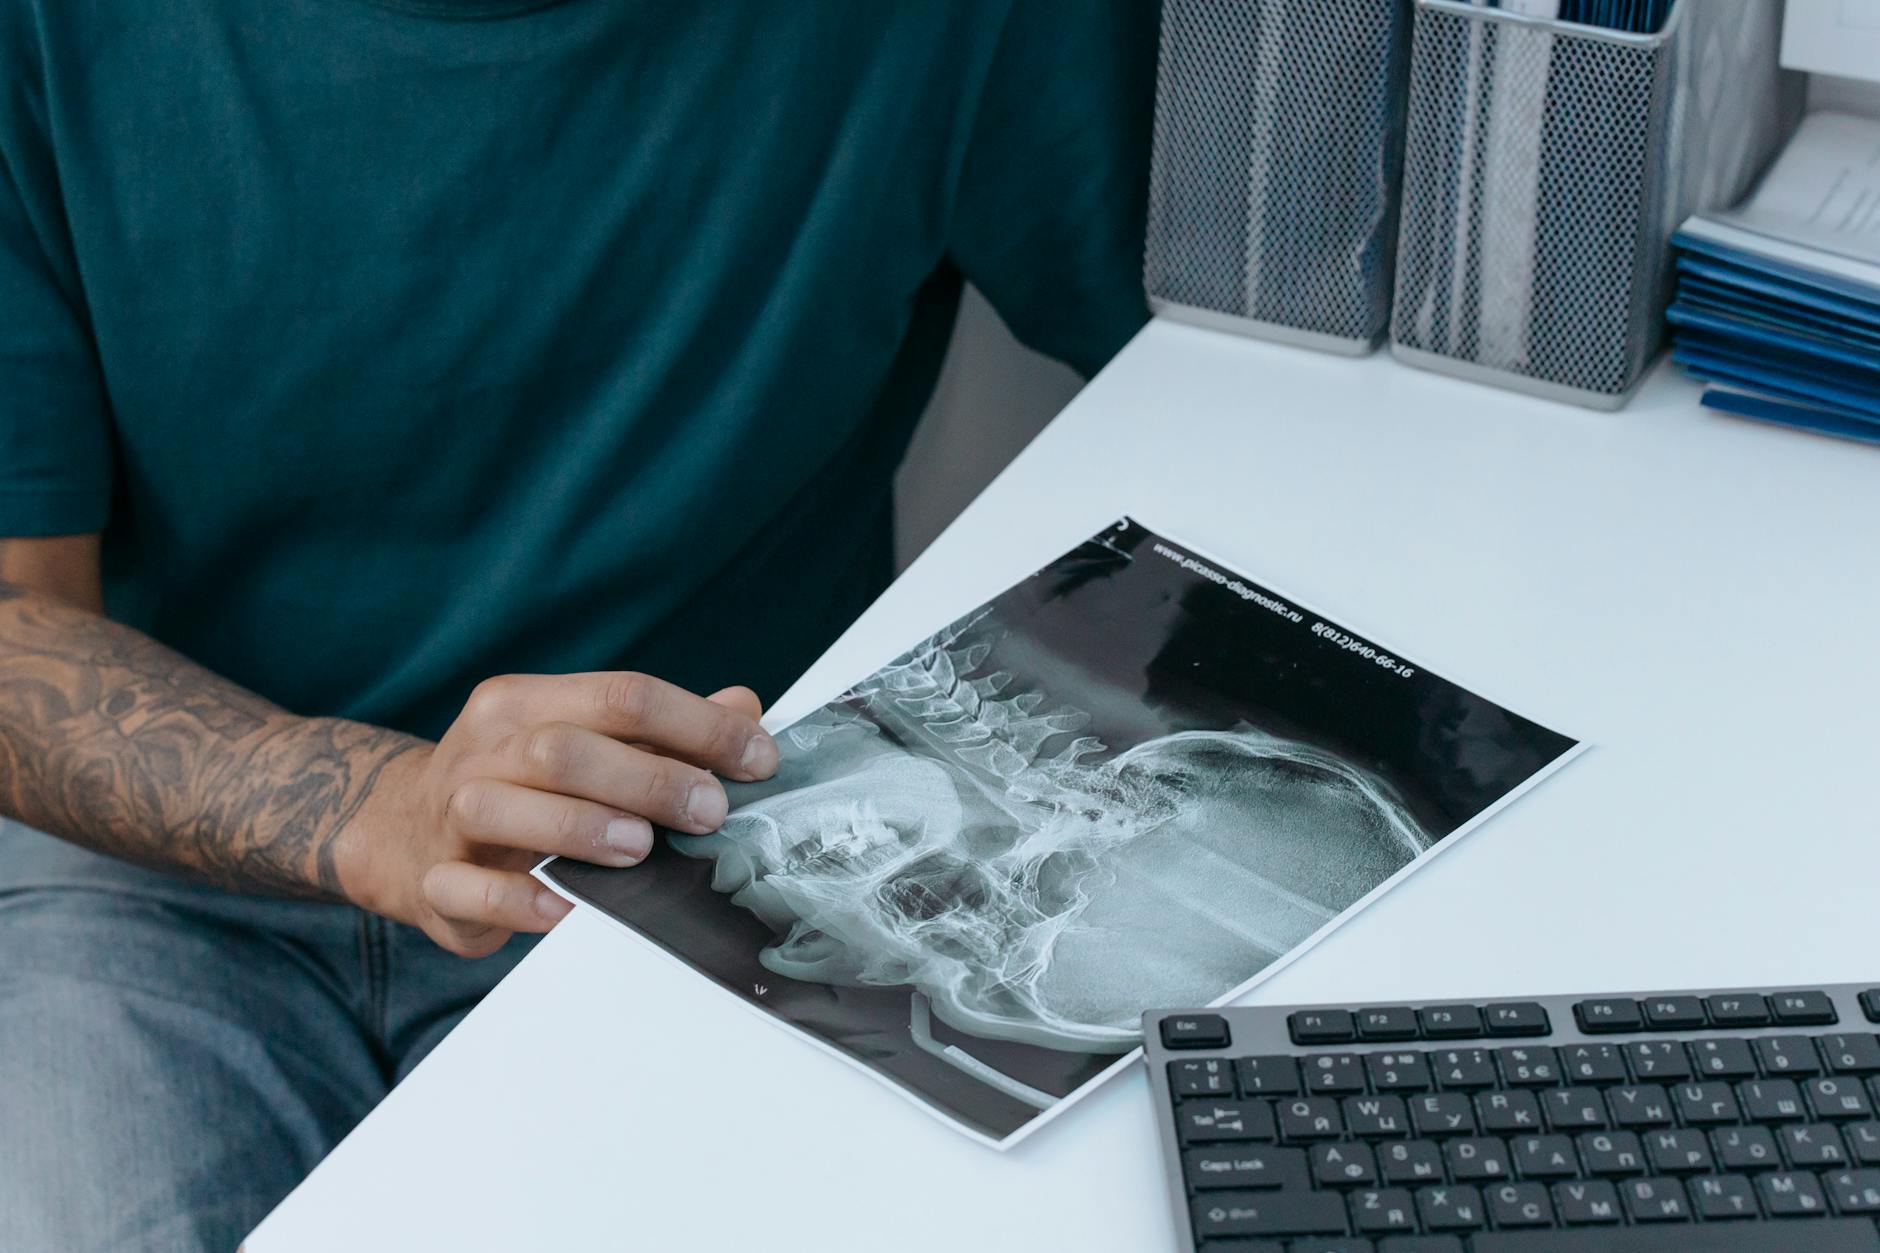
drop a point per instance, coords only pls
(387, 389)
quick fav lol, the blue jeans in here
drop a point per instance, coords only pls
(174, 1058)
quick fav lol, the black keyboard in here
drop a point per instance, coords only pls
(1687, 1122)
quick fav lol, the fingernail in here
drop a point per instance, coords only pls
(706, 806)
(630, 837)
(760, 757)
(550, 906)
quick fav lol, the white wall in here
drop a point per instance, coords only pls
(994, 394)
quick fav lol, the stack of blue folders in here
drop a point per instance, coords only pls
(1777, 305)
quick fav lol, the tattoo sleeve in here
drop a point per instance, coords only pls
(113, 741)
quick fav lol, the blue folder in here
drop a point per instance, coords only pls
(1754, 310)
(1737, 277)
(1761, 376)
(1762, 340)
(1854, 290)
(1789, 413)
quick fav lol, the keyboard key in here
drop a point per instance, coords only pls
(1321, 1026)
(1271, 1075)
(1476, 1159)
(1519, 1205)
(1870, 1004)
(1611, 1153)
(1788, 1194)
(1450, 1022)
(1644, 1106)
(1286, 1213)
(1376, 1116)
(1837, 1098)
(1737, 1009)
(1586, 1202)
(1334, 1165)
(1506, 1113)
(1658, 1061)
(1251, 1166)
(1195, 1031)
(1211, 1122)
(1717, 1198)
(1655, 1200)
(1679, 1151)
(1592, 1063)
(1787, 1055)
(1333, 1074)
(1312, 1244)
(1771, 1100)
(1464, 1068)
(1745, 1148)
(1611, 1014)
(1415, 1244)
(1851, 1054)
(1545, 1157)
(1396, 1022)
(1705, 1104)
(1674, 1013)
(1833, 1235)
(1411, 1161)
(1381, 1211)
(1398, 1072)
(1443, 1114)
(1854, 1191)
(1570, 1109)
(1309, 1118)
(1205, 1077)
(1863, 1140)
(1515, 1018)
(1457, 1208)
(1803, 1009)
(1529, 1066)
(1723, 1059)
(1815, 1144)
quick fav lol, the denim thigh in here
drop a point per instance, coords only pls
(173, 1058)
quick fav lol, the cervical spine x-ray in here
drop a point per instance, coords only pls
(1133, 781)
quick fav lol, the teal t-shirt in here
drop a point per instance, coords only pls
(394, 345)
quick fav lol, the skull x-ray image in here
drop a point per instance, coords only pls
(1132, 781)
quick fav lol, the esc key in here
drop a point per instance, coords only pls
(1195, 1031)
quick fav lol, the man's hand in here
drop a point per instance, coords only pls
(581, 765)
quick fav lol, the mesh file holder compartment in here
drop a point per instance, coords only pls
(1545, 168)
(1273, 186)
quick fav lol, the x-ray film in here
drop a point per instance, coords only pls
(1135, 780)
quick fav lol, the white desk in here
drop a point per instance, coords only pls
(1698, 597)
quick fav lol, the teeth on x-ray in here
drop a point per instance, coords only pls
(954, 835)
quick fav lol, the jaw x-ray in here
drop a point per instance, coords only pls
(1133, 781)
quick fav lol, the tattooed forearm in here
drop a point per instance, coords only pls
(113, 741)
